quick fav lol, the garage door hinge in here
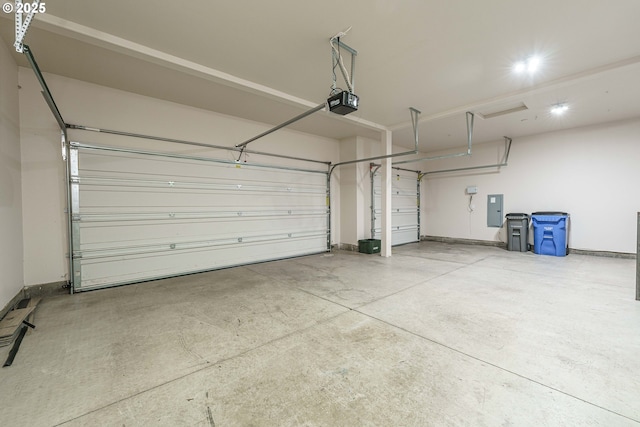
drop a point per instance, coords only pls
(74, 180)
(76, 217)
(77, 255)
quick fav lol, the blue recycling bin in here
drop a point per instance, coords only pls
(550, 232)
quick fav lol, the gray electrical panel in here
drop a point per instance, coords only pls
(494, 210)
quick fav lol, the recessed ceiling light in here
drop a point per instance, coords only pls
(559, 109)
(533, 64)
(530, 65)
(519, 67)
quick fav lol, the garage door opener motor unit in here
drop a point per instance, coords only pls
(343, 102)
(340, 101)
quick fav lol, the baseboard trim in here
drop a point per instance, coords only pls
(605, 254)
(46, 290)
(463, 241)
(36, 291)
(348, 247)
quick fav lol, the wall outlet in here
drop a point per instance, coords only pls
(472, 189)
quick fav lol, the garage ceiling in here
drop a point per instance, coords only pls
(269, 61)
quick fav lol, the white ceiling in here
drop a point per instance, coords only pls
(269, 61)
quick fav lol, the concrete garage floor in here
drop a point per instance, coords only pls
(437, 335)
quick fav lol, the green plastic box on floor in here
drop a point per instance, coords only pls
(369, 246)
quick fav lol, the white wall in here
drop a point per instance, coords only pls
(348, 183)
(591, 172)
(91, 105)
(11, 276)
(355, 188)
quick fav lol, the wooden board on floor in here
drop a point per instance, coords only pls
(33, 302)
(10, 325)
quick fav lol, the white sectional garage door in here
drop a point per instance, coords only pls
(405, 207)
(141, 215)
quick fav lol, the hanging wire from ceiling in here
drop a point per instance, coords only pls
(338, 62)
(334, 78)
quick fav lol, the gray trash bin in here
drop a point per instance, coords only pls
(518, 232)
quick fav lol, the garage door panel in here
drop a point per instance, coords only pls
(238, 202)
(404, 200)
(185, 213)
(403, 219)
(130, 269)
(405, 207)
(170, 183)
(175, 247)
(168, 188)
(132, 231)
(139, 168)
(402, 236)
(139, 215)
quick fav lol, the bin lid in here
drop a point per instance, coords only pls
(517, 215)
(550, 213)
